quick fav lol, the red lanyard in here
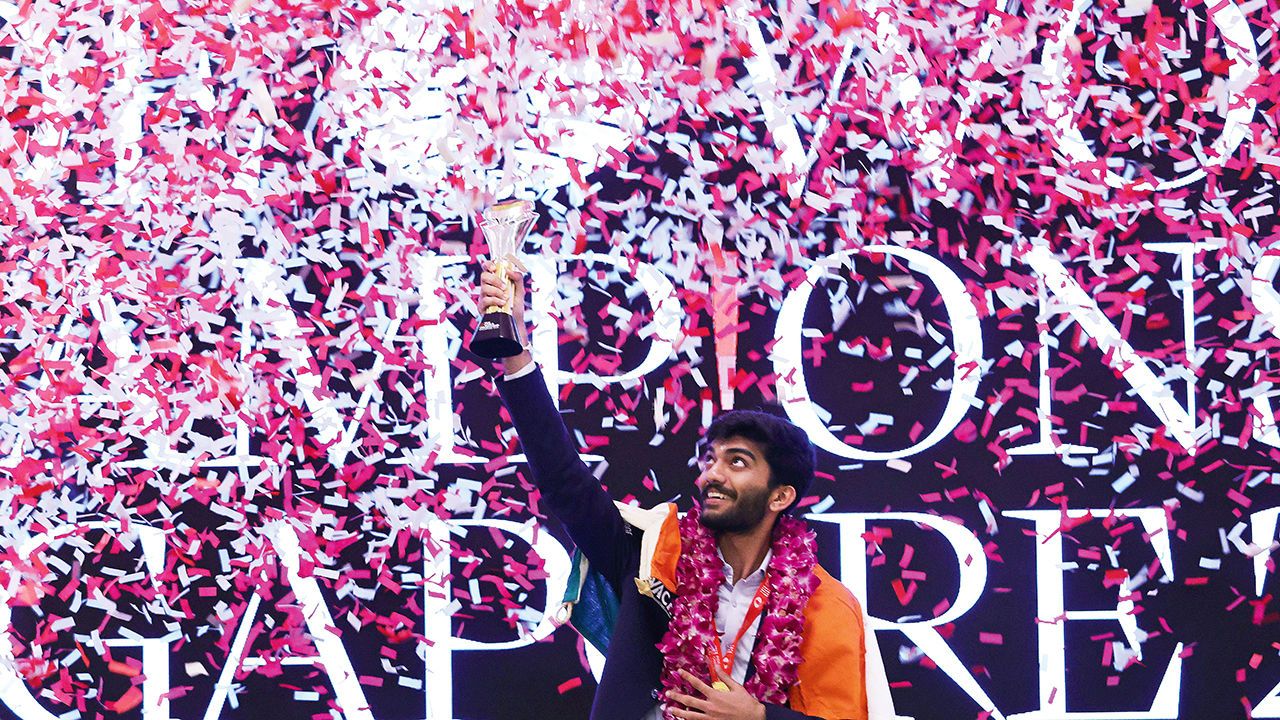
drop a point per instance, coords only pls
(725, 660)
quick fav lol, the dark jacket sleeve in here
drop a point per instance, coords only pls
(569, 489)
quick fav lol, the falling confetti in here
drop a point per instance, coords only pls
(237, 415)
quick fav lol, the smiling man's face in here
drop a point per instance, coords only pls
(733, 485)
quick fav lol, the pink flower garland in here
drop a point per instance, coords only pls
(698, 576)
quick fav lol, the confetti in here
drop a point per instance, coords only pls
(236, 285)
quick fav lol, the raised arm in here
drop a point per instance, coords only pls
(571, 492)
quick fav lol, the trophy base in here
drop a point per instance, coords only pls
(496, 337)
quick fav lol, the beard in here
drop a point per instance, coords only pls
(744, 512)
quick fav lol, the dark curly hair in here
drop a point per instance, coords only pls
(787, 449)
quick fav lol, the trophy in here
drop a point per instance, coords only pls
(504, 226)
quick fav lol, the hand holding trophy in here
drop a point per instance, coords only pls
(505, 226)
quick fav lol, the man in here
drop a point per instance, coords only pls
(723, 614)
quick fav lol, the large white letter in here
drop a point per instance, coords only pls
(788, 361)
(14, 692)
(1061, 103)
(330, 654)
(971, 561)
(441, 644)
(1045, 444)
(1116, 350)
(1052, 615)
(663, 330)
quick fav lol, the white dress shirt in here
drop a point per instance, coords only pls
(731, 611)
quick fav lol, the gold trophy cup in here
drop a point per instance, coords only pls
(505, 226)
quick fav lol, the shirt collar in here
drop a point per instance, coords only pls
(754, 579)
